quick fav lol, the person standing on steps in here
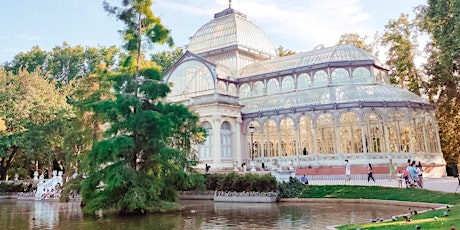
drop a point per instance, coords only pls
(369, 173)
(347, 171)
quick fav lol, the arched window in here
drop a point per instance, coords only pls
(258, 88)
(306, 134)
(417, 125)
(190, 79)
(245, 91)
(431, 131)
(205, 149)
(271, 139)
(350, 133)
(320, 79)
(273, 86)
(374, 134)
(340, 76)
(362, 75)
(226, 140)
(303, 81)
(222, 87)
(288, 136)
(325, 134)
(232, 89)
(287, 85)
(398, 132)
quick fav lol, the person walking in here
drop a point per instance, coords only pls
(347, 171)
(419, 171)
(369, 173)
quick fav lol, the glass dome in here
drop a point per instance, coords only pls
(330, 95)
(229, 28)
(316, 56)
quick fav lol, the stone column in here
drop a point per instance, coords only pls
(363, 137)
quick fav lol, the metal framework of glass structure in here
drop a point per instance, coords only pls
(335, 102)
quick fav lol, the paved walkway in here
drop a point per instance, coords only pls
(445, 184)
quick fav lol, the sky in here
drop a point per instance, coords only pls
(298, 25)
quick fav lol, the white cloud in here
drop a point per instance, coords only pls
(301, 24)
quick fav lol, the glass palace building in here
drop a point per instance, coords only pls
(314, 108)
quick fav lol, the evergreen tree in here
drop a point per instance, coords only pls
(147, 149)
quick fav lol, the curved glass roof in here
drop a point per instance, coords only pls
(229, 28)
(316, 56)
(330, 95)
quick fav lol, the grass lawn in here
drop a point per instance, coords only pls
(433, 219)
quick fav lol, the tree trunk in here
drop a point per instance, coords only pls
(5, 164)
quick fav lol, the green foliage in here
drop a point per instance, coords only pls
(240, 183)
(380, 193)
(281, 51)
(32, 61)
(71, 186)
(425, 219)
(145, 154)
(358, 41)
(187, 182)
(291, 189)
(167, 58)
(400, 39)
(65, 62)
(441, 20)
(141, 25)
(36, 117)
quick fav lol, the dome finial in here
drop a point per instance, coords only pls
(229, 3)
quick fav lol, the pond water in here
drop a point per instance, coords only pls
(22, 214)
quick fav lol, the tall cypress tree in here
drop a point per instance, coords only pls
(147, 150)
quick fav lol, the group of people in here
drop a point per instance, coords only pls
(412, 174)
(53, 193)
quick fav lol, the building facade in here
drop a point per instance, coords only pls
(314, 108)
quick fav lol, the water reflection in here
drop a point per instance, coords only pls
(17, 214)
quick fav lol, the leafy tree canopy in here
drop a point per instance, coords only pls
(33, 113)
(398, 36)
(441, 20)
(356, 40)
(167, 58)
(65, 62)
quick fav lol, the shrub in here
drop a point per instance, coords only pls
(234, 182)
(290, 189)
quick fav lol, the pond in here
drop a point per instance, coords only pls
(198, 214)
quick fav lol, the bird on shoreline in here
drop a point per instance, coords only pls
(407, 218)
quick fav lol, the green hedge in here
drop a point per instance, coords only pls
(234, 182)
